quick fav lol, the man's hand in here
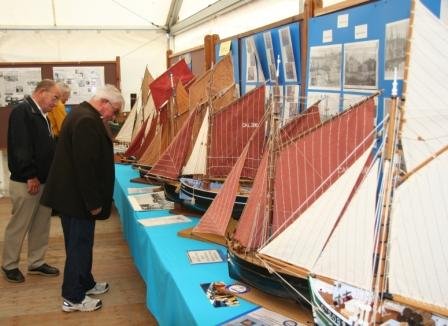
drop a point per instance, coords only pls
(33, 186)
(96, 211)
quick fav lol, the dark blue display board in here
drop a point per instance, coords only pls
(353, 52)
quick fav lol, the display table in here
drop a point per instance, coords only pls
(174, 295)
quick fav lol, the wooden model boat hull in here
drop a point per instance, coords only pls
(200, 199)
(171, 192)
(259, 277)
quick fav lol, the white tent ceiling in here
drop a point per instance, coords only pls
(102, 14)
(114, 14)
(134, 30)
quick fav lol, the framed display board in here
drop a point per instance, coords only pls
(270, 53)
(353, 52)
(18, 79)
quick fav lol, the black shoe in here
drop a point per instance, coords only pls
(45, 270)
(13, 275)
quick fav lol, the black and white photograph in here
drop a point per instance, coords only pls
(150, 201)
(325, 67)
(328, 106)
(395, 48)
(288, 60)
(361, 65)
(83, 81)
(270, 56)
(254, 73)
(15, 83)
(291, 102)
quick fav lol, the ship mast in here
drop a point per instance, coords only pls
(390, 168)
(274, 122)
(171, 106)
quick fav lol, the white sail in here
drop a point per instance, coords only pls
(418, 243)
(198, 159)
(149, 107)
(125, 133)
(426, 106)
(348, 255)
(139, 119)
(419, 236)
(301, 243)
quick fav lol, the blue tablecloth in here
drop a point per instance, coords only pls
(174, 295)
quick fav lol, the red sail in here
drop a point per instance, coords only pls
(162, 87)
(171, 161)
(136, 143)
(217, 216)
(306, 168)
(309, 119)
(231, 129)
(149, 137)
(251, 230)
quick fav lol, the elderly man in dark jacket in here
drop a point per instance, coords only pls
(80, 187)
(30, 152)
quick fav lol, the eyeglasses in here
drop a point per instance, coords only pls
(114, 109)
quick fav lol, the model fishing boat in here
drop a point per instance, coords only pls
(213, 91)
(241, 117)
(292, 174)
(399, 269)
(220, 141)
(139, 113)
(221, 88)
(373, 244)
(199, 193)
(170, 102)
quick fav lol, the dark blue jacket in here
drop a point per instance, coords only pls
(30, 143)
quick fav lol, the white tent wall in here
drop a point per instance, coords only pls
(136, 49)
(254, 14)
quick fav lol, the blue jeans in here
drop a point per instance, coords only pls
(78, 238)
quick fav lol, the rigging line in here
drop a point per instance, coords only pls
(140, 46)
(423, 164)
(270, 269)
(139, 16)
(291, 216)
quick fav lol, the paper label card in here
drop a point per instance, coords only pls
(205, 256)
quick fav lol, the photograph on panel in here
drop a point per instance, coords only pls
(291, 102)
(325, 67)
(350, 100)
(361, 65)
(288, 55)
(83, 81)
(254, 73)
(395, 48)
(328, 106)
(15, 83)
(270, 56)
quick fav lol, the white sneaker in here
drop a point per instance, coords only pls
(99, 288)
(88, 304)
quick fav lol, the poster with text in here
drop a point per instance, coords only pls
(15, 83)
(83, 81)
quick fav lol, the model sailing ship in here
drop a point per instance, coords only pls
(140, 112)
(292, 173)
(374, 243)
(169, 99)
(210, 95)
